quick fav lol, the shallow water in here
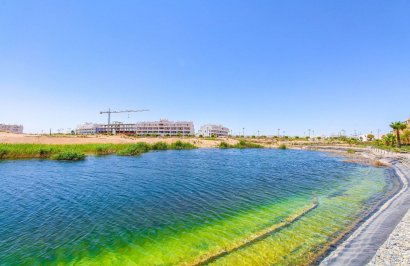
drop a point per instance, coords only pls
(173, 207)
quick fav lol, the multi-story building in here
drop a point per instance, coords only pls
(11, 128)
(87, 129)
(165, 127)
(116, 128)
(161, 128)
(210, 130)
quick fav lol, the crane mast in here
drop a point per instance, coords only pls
(109, 112)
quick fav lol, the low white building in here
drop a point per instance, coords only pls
(12, 128)
(210, 130)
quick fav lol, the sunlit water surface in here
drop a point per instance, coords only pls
(173, 207)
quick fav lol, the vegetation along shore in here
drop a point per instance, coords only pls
(75, 152)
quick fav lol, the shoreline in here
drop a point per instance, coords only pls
(362, 244)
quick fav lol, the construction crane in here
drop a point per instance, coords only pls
(109, 112)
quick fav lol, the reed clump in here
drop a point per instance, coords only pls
(242, 144)
(179, 145)
(75, 151)
(68, 156)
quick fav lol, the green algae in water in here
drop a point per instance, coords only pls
(169, 208)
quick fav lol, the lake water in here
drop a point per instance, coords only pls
(173, 207)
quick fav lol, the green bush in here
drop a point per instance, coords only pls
(3, 153)
(68, 156)
(282, 147)
(159, 146)
(224, 145)
(45, 152)
(102, 150)
(134, 149)
(242, 144)
(351, 151)
(179, 145)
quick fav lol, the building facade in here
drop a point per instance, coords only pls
(86, 129)
(12, 128)
(211, 130)
(162, 127)
(165, 127)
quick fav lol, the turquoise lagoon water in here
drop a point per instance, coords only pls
(175, 207)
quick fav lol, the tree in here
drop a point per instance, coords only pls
(370, 137)
(406, 136)
(388, 139)
(397, 126)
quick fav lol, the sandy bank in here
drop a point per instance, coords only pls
(117, 139)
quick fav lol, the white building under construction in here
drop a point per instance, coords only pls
(12, 128)
(162, 127)
(165, 127)
(212, 130)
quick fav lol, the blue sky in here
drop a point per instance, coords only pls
(261, 65)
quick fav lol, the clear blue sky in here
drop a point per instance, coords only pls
(262, 65)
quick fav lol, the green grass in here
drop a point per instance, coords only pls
(242, 144)
(78, 151)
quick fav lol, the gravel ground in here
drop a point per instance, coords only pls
(396, 250)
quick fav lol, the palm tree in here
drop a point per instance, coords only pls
(397, 126)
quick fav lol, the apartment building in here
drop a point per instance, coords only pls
(165, 127)
(86, 129)
(162, 127)
(12, 128)
(210, 130)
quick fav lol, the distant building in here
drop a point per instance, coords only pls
(165, 127)
(116, 128)
(210, 130)
(160, 128)
(86, 129)
(12, 128)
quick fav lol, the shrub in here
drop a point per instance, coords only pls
(282, 147)
(3, 153)
(179, 145)
(242, 144)
(223, 145)
(134, 149)
(44, 152)
(351, 151)
(102, 150)
(68, 156)
(159, 146)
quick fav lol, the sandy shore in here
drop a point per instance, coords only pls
(367, 244)
(77, 139)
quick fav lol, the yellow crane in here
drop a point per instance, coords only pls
(109, 112)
